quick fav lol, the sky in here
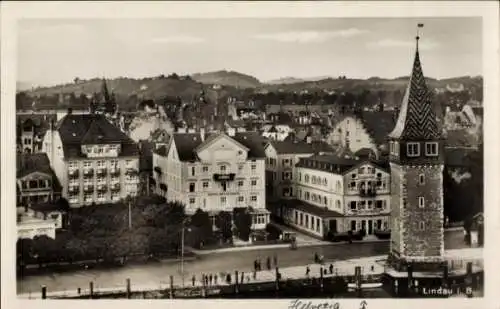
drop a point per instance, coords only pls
(53, 51)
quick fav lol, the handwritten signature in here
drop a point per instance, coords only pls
(298, 304)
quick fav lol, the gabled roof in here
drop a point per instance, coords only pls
(254, 142)
(78, 130)
(291, 147)
(417, 120)
(36, 162)
(378, 124)
(186, 143)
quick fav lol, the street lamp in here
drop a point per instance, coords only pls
(182, 248)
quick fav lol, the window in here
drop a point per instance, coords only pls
(254, 182)
(307, 221)
(205, 184)
(33, 184)
(306, 178)
(318, 224)
(378, 204)
(421, 202)
(101, 163)
(222, 168)
(24, 184)
(87, 164)
(312, 223)
(362, 170)
(353, 225)
(301, 219)
(413, 149)
(296, 217)
(353, 176)
(325, 182)
(223, 200)
(431, 149)
(307, 195)
(253, 167)
(325, 201)
(337, 204)
(100, 195)
(205, 169)
(421, 225)
(192, 187)
(193, 170)
(73, 165)
(353, 205)
(253, 198)
(241, 198)
(370, 204)
(240, 167)
(421, 179)
(192, 200)
(240, 183)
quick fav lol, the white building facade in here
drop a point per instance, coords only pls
(337, 195)
(214, 172)
(94, 161)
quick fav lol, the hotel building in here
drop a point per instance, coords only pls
(338, 195)
(94, 161)
(215, 171)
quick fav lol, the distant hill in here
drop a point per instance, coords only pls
(22, 86)
(156, 87)
(294, 80)
(227, 78)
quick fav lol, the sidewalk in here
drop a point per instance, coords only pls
(341, 268)
(264, 247)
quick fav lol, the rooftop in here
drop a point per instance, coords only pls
(319, 211)
(78, 130)
(336, 164)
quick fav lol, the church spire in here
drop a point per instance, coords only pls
(416, 120)
(104, 90)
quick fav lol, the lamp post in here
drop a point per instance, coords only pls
(182, 248)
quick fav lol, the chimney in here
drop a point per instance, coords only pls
(202, 134)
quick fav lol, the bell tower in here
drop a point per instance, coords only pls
(417, 163)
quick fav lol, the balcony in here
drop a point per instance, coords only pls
(88, 172)
(370, 192)
(114, 171)
(115, 187)
(102, 188)
(102, 171)
(132, 172)
(88, 189)
(74, 189)
(73, 173)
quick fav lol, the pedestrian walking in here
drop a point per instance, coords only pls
(308, 270)
(206, 280)
(255, 265)
(248, 279)
(193, 279)
(210, 279)
(331, 268)
(373, 268)
(316, 257)
(259, 268)
(215, 279)
(242, 277)
(228, 278)
(254, 275)
(268, 263)
(275, 260)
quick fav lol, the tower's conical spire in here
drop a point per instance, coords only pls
(416, 120)
(104, 90)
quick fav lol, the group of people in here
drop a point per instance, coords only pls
(257, 266)
(324, 270)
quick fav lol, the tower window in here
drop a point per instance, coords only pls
(421, 202)
(413, 149)
(421, 179)
(431, 149)
(421, 225)
(191, 187)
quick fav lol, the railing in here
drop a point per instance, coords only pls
(88, 189)
(102, 188)
(115, 187)
(367, 192)
(114, 171)
(74, 173)
(132, 172)
(88, 172)
(101, 171)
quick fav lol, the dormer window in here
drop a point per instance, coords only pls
(431, 149)
(413, 149)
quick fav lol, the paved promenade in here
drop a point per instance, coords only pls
(345, 267)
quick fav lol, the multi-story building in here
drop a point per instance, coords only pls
(338, 195)
(36, 181)
(417, 163)
(281, 158)
(30, 130)
(214, 171)
(94, 161)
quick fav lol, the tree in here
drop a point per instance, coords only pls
(43, 249)
(224, 224)
(201, 228)
(24, 251)
(243, 222)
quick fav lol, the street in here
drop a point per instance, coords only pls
(158, 273)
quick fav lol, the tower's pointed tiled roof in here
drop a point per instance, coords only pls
(416, 120)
